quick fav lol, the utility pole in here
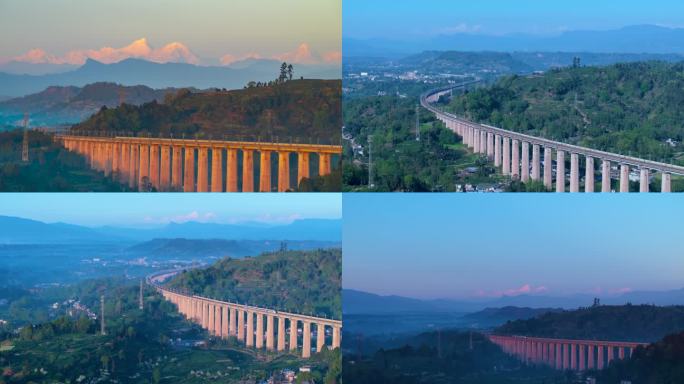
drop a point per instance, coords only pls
(417, 122)
(24, 144)
(140, 299)
(439, 343)
(370, 162)
(102, 319)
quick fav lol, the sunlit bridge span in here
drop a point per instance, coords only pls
(187, 165)
(562, 354)
(511, 151)
(254, 326)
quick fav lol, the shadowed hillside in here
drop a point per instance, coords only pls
(642, 323)
(297, 110)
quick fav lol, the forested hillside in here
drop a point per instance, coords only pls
(50, 167)
(307, 282)
(444, 357)
(400, 162)
(660, 362)
(631, 109)
(297, 110)
(642, 323)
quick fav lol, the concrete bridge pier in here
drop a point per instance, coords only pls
(303, 165)
(666, 183)
(574, 173)
(337, 337)
(259, 330)
(241, 325)
(202, 169)
(589, 175)
(231, 170)
(293, 334)
(605, 176)
(189, 171)
(497, 151)
(320, 337)
(270, 332)
(560, 171)
(643, 180)
(177, 168)
(490, 145)
(233, 327)
(306, 340)
(506, 169)
(624, 178)
(515, 161)
(144, 165)
(325, 164)
(548, 168)
(217, 170)
(283, 171)
(281, 333)
(249, 341)
(525, 172)
(265, 171)
(165, 169)
(247, 171)
(476, 140)
(483, 142)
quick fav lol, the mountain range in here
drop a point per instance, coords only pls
(629, 39)
(358, 302)
(14, 230)
(57, 105)
(162, 75)
(165, 249)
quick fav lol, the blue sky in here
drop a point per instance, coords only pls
(399, 19)
(138, 209)
(478, 246)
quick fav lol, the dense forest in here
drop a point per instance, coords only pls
(659, 363)
(306, 111)
(642, 323)
(442, 357)
(50, 167)
(628, 108)
(400, 162)
(307, 282)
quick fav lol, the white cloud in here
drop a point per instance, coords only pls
(460, 28)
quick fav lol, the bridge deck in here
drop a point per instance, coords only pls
(198, 143)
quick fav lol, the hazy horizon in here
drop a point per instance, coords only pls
(153, 210)
(433, 246)
(411, 19)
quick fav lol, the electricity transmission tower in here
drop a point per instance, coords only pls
(102, 318)
(417, 122)
(24, 144)
(370, 161)
(140, 299)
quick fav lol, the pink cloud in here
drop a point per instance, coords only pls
(333, 57)
(228, 59)
(172, 52)
(301, 55)
(525, 289)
